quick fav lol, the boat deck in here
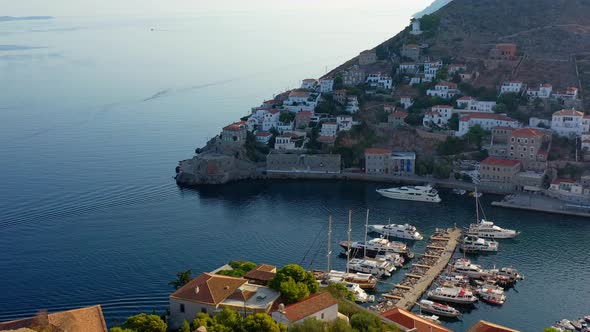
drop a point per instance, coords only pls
(423, 273)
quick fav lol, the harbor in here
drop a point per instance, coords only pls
(538, 203)
(423, 273)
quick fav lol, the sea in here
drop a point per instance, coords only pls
(96, 112)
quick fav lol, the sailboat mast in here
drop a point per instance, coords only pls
(476, 206)
(366, 231)
(349, 230)
(329, 243)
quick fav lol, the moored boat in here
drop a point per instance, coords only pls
(396, 259)
(491, 295)
(374, 247)
(412, 193)
(438, 309)
(508, 272)
(404, 231)
(452, 294)
(464, 266)
(472, 243)
(486, 228)
(364, 280)
(433, 318)
(379, 269)
(459, 192)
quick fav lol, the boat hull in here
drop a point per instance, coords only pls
(493, 235)
(379, 229)
(439, 313)
(415, 198)
(371, 253)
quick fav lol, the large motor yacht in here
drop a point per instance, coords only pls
(374, 247)
(438, 309)
(412, 193)
(379, 269)
(404, 231)
(472, 243)
(452, 294)
(486, 228)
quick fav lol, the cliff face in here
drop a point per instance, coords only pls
(217, 163)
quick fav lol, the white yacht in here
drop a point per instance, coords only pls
(511, 273)
(433, 318)
(412, 193)
(464, 266)
(486, 228)
(438, 308)
(492, 295)
(404, 231)
(379, 269)
(374, 247)
(396, 259)
(359, 294)
(452, 294)
(364, 280)
(472, 243)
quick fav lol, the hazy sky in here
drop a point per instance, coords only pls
(159, 7)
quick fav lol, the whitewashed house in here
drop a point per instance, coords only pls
(568, 123)
(344, 122)
(439, 115)
(270, 120)
(569, 93)
(210, 293)
(329, 129)
(406, 101)
(352, 104)
(543, 91)
(586, 141)
(326, 85)
(473, 105)
(431, 72)
(284, 142)
(486, 120)
(445, 90)
(321, 306)
(299, 101)
(309, 84)
(263, 137)
(415, 27)
(381, 81)
(511, 87)
(284, 126)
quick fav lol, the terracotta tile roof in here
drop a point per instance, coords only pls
(296, 93)
(483, 326)
(304, 113)
(263, 134)
(260, 275)
(309, 306)
(273, 111)
(527, 132)
(568, 113)
(269, 101)
(233, 127)
(562, 180)
(326, 139)
(466, 98)
(449, 84)
(546, 85)
(411, 321)
(242, 295)
(88, 319)
(442, 106)
(491, 161)
(377, 151)
(209, 288)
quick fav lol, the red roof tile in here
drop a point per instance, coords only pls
(209, 288)
(527, 132)
(411, 321)
(568, 113)
(562, 180)
(309, 306)
(483, 326)
(263, 134)
(491, 161)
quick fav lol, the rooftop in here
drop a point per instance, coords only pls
(491, 161)
(492, 116)
(570, 112)
(309, 306)
(377, 151)
(483, 326)
(411, 321)
(209, 288)
(88, 319)
(527, 132)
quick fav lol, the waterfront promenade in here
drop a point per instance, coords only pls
(539, 203)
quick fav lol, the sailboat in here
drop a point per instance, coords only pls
(486, 228)
(338, 277)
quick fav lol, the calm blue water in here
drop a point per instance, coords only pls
(95, 113)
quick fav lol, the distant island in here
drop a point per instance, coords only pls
(24, 18)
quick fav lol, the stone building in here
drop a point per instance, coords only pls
(367, 57)
(303, 163)
(384, 161)
(353, 76)
(503, 52)
(498, 174)
(530, 146)
(397, 119)
(235, 132)
(411, 51)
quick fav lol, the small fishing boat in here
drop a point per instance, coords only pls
(491, 295)
(439, 309)
(459, 192)
(433, 318)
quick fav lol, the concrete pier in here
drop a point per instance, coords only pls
(408, 292)
(540, 203)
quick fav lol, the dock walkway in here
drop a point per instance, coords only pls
(424, 272)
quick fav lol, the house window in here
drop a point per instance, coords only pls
(322, 315)
(182, 307)
(521, 155)
(512, 139)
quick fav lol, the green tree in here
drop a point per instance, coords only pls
(120, 329)
(294, 282)
(501, 108)
(365, 322)
(261, 323)
(286, 117)
(339, 291)
(145, 323)
(475, 135)
(414, 119)
(239, 268)
(309, 325)
(454, 122)
(185, 327)
(452, 145)
(442, 74)
(442, 170)
(182, 278)
(229, 318)
(338, 83)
